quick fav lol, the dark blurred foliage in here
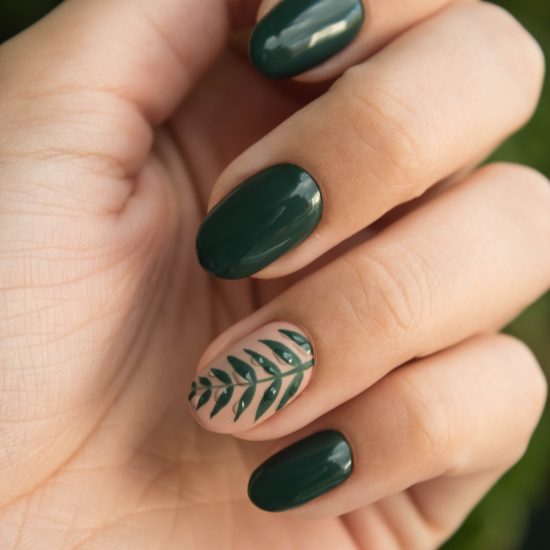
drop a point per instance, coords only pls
(15, 15)
(516, 513)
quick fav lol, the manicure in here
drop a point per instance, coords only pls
(256, 377)
(259, 221)
(297, 35)
(302, 472)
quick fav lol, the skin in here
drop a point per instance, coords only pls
(105, 313)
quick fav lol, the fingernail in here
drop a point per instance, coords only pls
(297, 35)
(304, 471)
(264, 217)
(256, 377)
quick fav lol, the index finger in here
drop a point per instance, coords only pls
(319, 39)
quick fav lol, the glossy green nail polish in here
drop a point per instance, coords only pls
(297, 35)
(259, 221)
(304, 471)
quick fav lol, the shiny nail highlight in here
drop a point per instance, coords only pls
(256, 377)
(297, 35)
(302, 472)
(259, 221)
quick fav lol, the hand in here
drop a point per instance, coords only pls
(111, 143)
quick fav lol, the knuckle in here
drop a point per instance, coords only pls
(514, 172)
(390, 128)
(522, 180)
(526, 191)
(533, 185)
(528, 399)
(427, 414)
(535, 386)
(389, 296)
(511, 44)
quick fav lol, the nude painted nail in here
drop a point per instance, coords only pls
(256, 377)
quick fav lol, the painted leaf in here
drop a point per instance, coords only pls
(298, 339)
(221, 375)
(283, 352)
(205, 381)
(193, 391)
(291, 390)
(242, 369)
(269, 366)
(268, 398)
(204, 398)
(223, 399)
(244, 402)
(247, 375)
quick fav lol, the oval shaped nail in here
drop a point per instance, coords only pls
(302, 472)
(253, 379)
(264, 217)
(296, 36)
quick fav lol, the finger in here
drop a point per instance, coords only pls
(387, 130)
(451, 269)
(80, 271)
(83, 87)
(147, 53)
(404, 516)
(464, 412)
(319, 39)
(205, 124)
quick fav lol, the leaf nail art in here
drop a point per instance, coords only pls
(260, 376)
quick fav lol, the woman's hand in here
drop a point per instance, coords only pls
(111, 144)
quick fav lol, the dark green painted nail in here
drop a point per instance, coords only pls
(304, 471)
(297, 35)
(264, 217)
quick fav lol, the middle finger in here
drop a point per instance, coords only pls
(425, 283)
(413, 114)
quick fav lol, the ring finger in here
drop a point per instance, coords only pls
(445, 428)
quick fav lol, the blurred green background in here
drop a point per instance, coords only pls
(516, 514)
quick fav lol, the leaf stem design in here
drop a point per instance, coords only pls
(220, 379)
(289, 372)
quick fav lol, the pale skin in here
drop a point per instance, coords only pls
(113, 147)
